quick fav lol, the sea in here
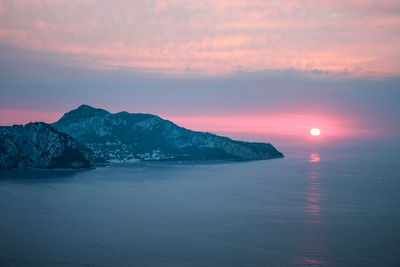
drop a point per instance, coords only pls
(315, 207)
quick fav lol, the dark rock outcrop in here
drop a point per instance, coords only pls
(125, 136)
(39, 145)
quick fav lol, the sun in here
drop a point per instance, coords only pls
(315, 131)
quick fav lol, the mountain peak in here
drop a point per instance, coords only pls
(87, 108)
(83, 111)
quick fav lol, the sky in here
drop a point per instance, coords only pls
(252, 70)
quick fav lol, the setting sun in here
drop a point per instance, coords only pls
(315, 131)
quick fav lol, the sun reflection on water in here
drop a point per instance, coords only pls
(314, 157)
(314, 192)
(312, 244)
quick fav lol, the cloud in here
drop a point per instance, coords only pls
(53, 84)
(216, 37)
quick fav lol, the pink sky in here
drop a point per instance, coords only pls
(296, 125)
(212, 37)
(254, 66)
(263, 127)
(10, 117)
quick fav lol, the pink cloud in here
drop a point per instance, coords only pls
(172, 36)
(2, 9)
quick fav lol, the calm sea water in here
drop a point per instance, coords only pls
(322, 208)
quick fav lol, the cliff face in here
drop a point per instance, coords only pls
(39, 145)
(124, 136)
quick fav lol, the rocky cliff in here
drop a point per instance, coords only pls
(39, 145)
(126, 136)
